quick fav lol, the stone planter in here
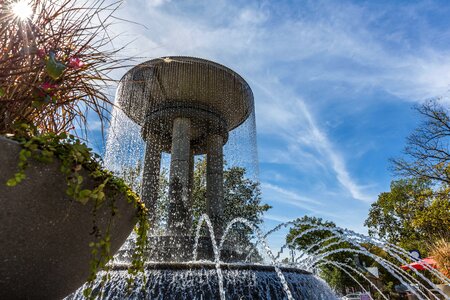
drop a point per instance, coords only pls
(44, 235)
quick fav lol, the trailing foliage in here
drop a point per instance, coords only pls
(54, 69)
(76, 158)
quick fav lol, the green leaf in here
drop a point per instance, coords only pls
(87, 292)
(85, 193)
(36, 104)
(83, 200)
(2, 92)
(47, 153)
(47, 99)
(69, 191)
(11, 182)
(54, 67)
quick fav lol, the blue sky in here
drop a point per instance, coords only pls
(334, 85)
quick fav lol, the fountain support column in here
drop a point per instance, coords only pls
(150, 176)
(191, 188)
(214, 182)
(179, 216)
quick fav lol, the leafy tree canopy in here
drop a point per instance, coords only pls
(411, 214)
(242, 196)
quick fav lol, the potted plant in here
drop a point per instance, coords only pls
(62, 215)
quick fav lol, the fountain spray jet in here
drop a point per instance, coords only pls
(185, 106)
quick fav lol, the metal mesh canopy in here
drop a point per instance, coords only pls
(178, 81)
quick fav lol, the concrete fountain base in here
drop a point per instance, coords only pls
(45, 235)
(199, 280)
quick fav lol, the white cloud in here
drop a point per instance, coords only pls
(287, 117)
(253, 16)
(296, 124)
(278, 195)
(277, 218)
(334, 44)
(337, 161)
(290, 196)
(156, 3)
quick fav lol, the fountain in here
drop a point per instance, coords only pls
(186, 107)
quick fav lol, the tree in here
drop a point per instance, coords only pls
(335, 277)
(427, 153)
(411, 214)
(242, 196)
(416, 211)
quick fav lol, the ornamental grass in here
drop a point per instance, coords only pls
(440, 251)
(55, 64)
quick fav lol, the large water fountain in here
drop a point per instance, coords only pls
(184, 107)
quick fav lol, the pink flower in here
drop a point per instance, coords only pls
(75, 63)
(41, 53)
(48, 87)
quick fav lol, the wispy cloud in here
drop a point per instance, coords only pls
(338, 164)
(290, 196)
(155, 3)
(299, 128)
(276, 218)
(327, 41)
(279, 195)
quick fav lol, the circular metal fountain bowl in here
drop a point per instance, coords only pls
(185, 81)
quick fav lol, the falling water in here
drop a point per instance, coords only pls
(205, 219)
(343, 266)
(356, 240)
(200, 276)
